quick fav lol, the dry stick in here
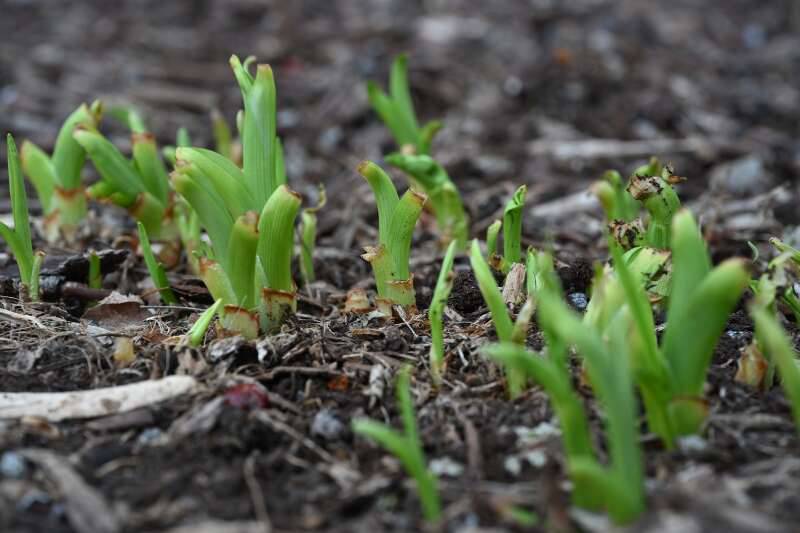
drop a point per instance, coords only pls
(256, 494)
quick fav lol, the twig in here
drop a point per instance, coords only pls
(256, 494)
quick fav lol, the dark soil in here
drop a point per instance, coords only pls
(514, 82)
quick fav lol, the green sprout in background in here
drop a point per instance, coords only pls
(397, 217)
(57, 179)
(155, 268)
(444, 284)
(407, 447)
(140, 185)
(396, 110)
(512, 233)
(18, 239)
(308, 237)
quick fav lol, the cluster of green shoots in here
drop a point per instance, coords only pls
(248, 214)
(396, 110)
(57, 178)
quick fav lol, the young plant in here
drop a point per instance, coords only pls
(512, 233)
(248, 214)
(197, 332)
(407, 447)
(397, 217)
(508, 330)
(308, 237)
(397, 113)
(650, 186)
(444, 284)
(155, 268)
(95, 280)
(57, 179)
(775, 343)
(18, 239)
(140, 185)
(671, 376)
(618, 488)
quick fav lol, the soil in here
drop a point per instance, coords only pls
(267, 444)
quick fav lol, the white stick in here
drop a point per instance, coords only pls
(55, 406)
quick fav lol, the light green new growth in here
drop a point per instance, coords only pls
(397, 217)
(308, 237)
(671, 377)
(18, 239)
(198, 330)
(491, 294)
(57, 179)
(778, 348)
(141, 184)
(397, 111)
(155, 268)
(248, 214)
(618, 488)
(512, 228)
(617, 203)
(445, 200)
(444, 284)
(407, 447)
(95, 280)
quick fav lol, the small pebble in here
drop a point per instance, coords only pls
(444, 466)
(12, 465)
(327, 425)
(150, 436)
(578, 300)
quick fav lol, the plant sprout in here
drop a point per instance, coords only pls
(671, 376)
(140, 185)
(248, 214)
(407, 447)
(444, 284)
(95, 279)
(775, 343)
(618, 488)
(155, 268)
(396, 110)
(512, 234)
(18, 239)
(397, 217)
(198, 330)
(57, 179)
(308, 237)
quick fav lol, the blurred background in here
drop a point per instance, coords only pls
(520, 84)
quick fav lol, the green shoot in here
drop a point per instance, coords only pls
(445, 200)
(198, 330)
(57, 179)
(444, 284)
(155, 268)
(397, 217)
(308, 237)
(397, 111)
(141, 185)
(491, 294)
(512, 228)
(18, 239)
(671, 377)
(779, 349)
(95, 280)
(223, 140)
(407, 447)
(651, 187)
(618, 488)
(247, 213)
